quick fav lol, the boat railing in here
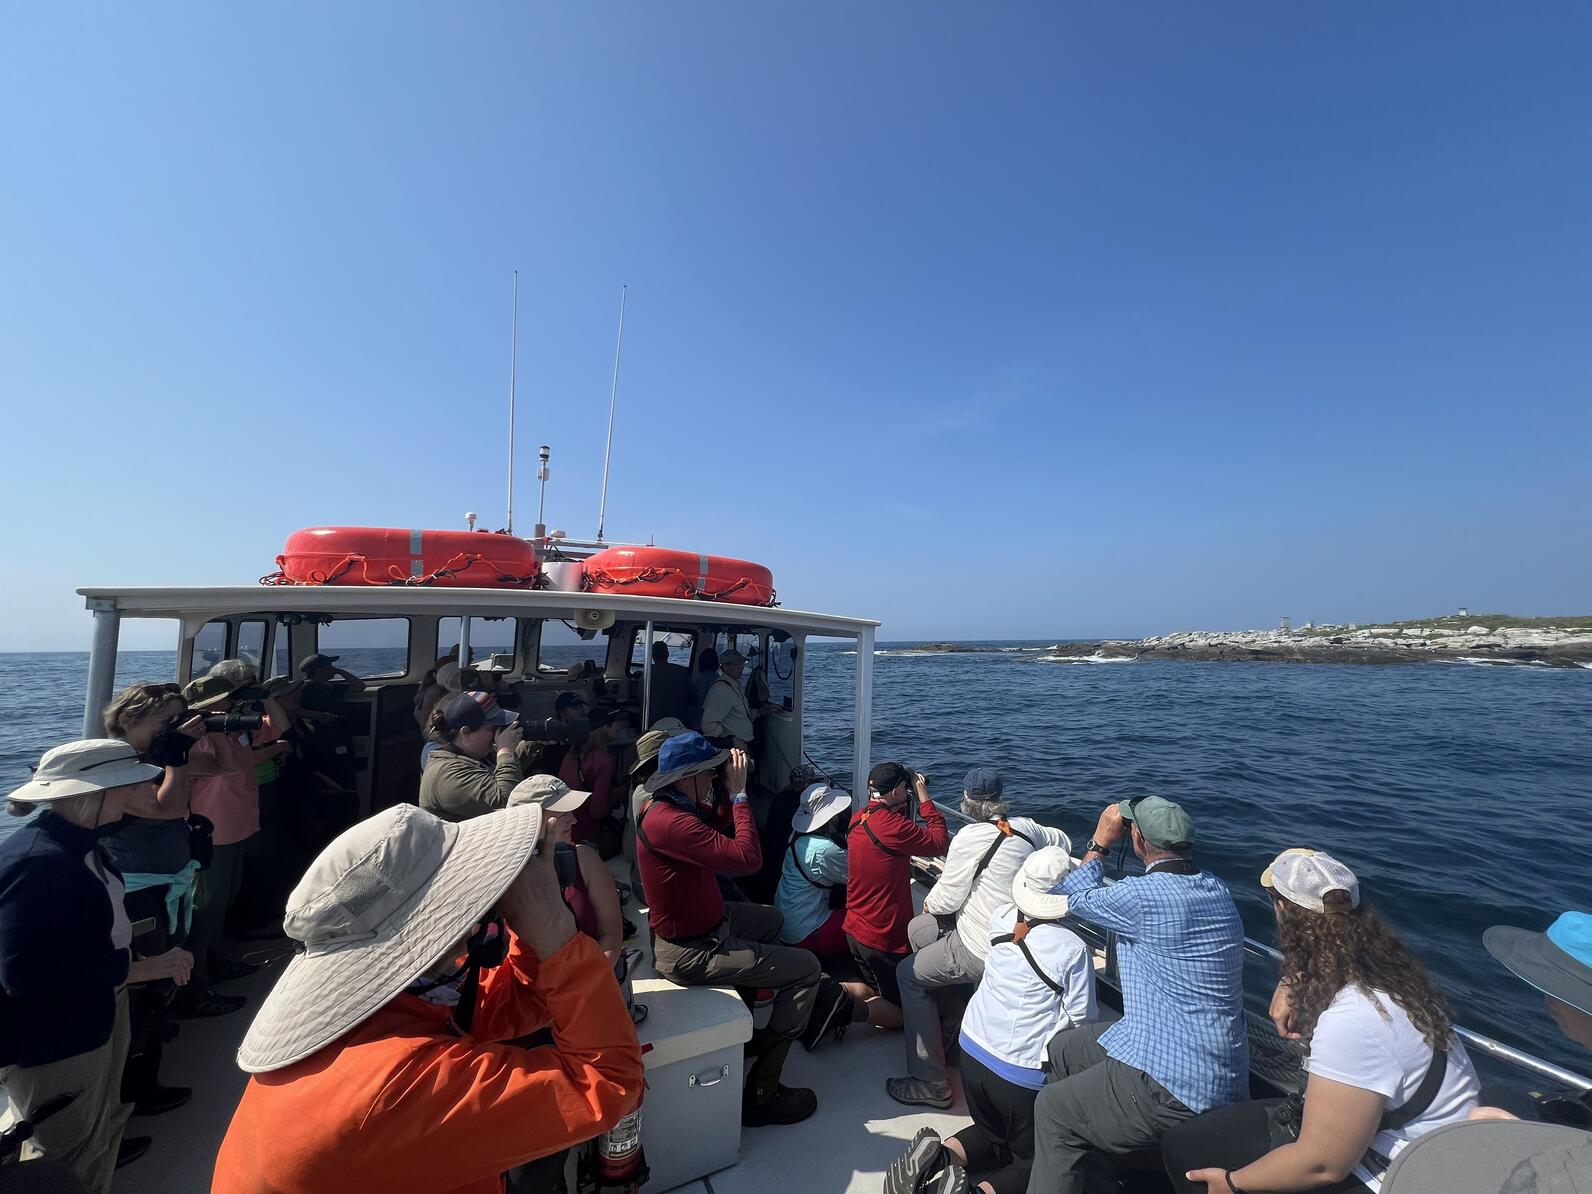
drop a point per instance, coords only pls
(1507, 1054)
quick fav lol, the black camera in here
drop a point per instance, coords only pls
(551, 729)
(565, 865)
(233, 721)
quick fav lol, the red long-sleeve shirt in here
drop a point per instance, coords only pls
(681, 857)
(879, 883)
(402, 1103)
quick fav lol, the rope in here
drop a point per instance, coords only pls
(394, 578)
(684, 587)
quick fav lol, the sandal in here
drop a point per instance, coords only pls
(919, 1092)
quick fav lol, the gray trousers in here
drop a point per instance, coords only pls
(744, 951)
(1093, 1105)
(935, 961)
(84, 1136)
(221, 881)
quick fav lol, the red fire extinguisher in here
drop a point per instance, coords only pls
(621, 1161)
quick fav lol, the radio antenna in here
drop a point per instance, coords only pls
(514, 350)
(613, 401)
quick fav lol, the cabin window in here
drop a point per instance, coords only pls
(371, 648)
(282, 656)
(251, 643)
(681, 646)
(488, 636)
(781, 663)
(209, 648)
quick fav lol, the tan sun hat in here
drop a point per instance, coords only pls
(87, 765)
(380, 906)
(548, 791)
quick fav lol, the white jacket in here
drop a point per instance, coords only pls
(956, 893)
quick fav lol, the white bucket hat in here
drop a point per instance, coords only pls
(820, 804)
(1040, 872)
(1306, 877)
(379, 907)
(87, 765)
(552, 794)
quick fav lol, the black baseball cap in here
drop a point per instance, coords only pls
(886, 776)
(567, 700)
(607, 717)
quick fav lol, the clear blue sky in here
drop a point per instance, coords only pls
(1008, 320)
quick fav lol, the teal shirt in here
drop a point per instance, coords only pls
(805, 906)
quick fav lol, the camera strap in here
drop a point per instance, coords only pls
(1005, 831)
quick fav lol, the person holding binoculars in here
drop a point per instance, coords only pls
(476, 762)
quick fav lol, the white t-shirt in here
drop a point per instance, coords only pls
(1369, 1042)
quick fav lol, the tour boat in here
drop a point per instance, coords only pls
(691, 1116)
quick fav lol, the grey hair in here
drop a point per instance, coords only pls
(236, 671)
(977, 808)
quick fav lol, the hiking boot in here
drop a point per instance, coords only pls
(766, 1101)
(919, 1092)
(833, 1011)
(913, 1167)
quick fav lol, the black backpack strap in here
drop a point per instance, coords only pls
(1004, 831)
(1009, 938)
(868, 829)
(802, 871)
(1424, 1095)
(641, 815)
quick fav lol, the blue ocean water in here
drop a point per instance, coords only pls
(1459, 794)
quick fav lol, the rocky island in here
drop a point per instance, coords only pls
(1465, 638)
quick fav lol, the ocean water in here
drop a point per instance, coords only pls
(1459, 794)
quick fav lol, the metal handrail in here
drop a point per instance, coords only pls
(1495, 1048)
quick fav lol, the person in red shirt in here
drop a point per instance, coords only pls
(588, 767)
(701, 940)
(879, 850)
(383, 1059)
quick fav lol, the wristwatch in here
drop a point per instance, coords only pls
(1095, 847)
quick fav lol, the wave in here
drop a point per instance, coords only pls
(922, 654)
(1086, 659)
(1484, 661)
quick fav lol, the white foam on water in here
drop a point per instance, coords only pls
(1484, 661)
(1086, 659)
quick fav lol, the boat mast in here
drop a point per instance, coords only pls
(514, 349)
(613, 400)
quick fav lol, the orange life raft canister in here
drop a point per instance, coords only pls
(659, 572)
(396, 556)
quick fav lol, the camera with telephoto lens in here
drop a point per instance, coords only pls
(552, 730)
(233, 721)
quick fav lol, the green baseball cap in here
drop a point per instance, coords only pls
(1162, 822)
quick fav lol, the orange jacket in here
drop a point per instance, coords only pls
(404, 1105)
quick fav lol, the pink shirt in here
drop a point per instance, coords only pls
(594, 773)
(231, 800)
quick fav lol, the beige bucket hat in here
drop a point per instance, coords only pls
(1040, 872)
(374, 912)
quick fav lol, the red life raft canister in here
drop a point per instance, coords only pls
(659, 572)
(396, 556)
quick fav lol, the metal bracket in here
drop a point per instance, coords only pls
(694, 1080)
(99, 603)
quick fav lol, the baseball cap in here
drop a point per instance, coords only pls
(1307, 877)
(207, 690)
(731, 657)
(471, 710)
(552, 793)
(984, 782)
(87, 765)
(1162, 822)
(886, 776)
(607, 717)
(567, 700)
(1557, 962)
(310, 662)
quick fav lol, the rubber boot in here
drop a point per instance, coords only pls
(765, 1100)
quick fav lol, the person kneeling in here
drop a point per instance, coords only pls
(701, 940)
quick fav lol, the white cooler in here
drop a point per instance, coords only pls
(691, 1117)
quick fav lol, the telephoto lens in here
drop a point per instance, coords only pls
(233, 721)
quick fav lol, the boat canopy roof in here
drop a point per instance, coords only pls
(402, 600)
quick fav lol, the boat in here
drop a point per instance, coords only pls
(695, 1033)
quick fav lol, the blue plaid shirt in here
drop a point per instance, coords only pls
(1180, 954)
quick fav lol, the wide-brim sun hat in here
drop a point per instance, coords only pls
(1042, 870)
(83, 767)
(819, 805)
(1557, 962)
(379, 907)
(682, 756)
(1487, 1156)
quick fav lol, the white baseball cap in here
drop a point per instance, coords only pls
(87, 765)
(1306, 877)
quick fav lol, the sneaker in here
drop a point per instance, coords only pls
(914, 1165)
(950, 1180)
(917, 1092)
(130, 1149)
(162, 1099)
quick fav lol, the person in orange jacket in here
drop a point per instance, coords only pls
(380, 1060)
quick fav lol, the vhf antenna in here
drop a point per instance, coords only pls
(514, 349)
(613, 400)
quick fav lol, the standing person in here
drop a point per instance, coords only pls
(702, 941)
(707, 675)
(1181, 1047)
(589, 767)
(1384, 1065)
(381, 1060)
(951, 937)
(327, 687)
(224, 789)
(1038, 978)
(476, 763)
(879, 850)
(726, 717)
(670, 694)
(64, 959)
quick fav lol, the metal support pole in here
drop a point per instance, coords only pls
(464, 642)
(101, 667)
(862, 723)
(646, 679)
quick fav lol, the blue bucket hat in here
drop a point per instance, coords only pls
(684, 754)
(983, 783)
(1557, 962)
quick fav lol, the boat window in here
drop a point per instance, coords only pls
(488, 636)
(681, 646)
(561, 648)
(209, 648)
(781, 665)
(371, 648)
(251, 642)
(282, 656)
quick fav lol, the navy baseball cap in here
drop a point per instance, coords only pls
(472, 710)
(567, 700)
(983, 782)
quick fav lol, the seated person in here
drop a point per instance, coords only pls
(588, 887)
(950, 938)
(380, 1060)
(701, 941)
(1384, 1065)
(643, 769)
(327, 686)
(1038, 978)
(458, 782)
(589, 767)
(880, 846)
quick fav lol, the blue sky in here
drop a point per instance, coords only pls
(1011, 320)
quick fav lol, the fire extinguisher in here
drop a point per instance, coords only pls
(621, 1162)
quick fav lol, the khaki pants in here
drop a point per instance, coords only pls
(85, 1136)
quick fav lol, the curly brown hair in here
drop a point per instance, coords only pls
(1323, 953)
